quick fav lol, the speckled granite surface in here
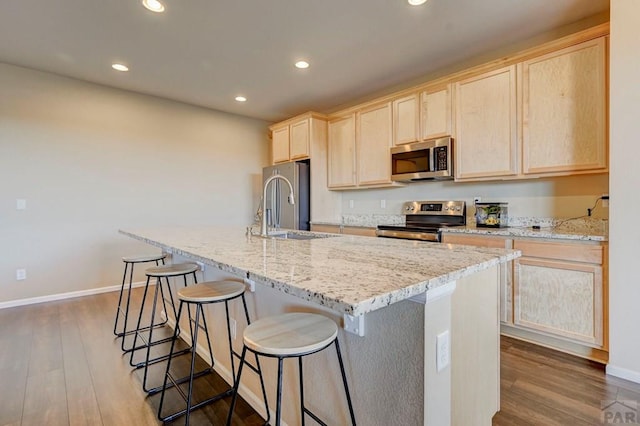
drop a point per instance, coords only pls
(580, 229)
(586, 229)
(348, 274)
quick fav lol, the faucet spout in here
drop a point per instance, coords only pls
(264, 231)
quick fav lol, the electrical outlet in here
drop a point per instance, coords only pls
(605, 200)
(21, 274)
(350, 204)
(443, 350)
(383, 204)
(232, 328)
(21, 204)
(477, 200)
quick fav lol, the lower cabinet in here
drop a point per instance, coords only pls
(555, 294)
(346, 230)
(559, 290)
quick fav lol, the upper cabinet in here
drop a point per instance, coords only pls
(564, 110)
(360, 148)
(292, 139)
(435, 112)
(374, 144)
(342, 152)
(485, 131)
(406, 119)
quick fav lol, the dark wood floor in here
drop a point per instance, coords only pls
(60, 365)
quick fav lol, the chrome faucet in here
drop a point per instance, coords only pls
(264, 232)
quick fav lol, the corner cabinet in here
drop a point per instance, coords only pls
(486, 120)
(564, 110)
(559, 290)
(554, 295)
(292, 139)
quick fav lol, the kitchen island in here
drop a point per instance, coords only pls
(402, 296)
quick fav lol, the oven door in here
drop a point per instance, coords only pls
(408, 234)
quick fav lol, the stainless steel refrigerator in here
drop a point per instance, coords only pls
(281, 214)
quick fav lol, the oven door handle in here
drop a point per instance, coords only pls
(408, 235)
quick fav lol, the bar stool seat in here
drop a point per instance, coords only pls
(210, 292)
(200, 295)
(172, 270)
(129, 263)
(291, 335)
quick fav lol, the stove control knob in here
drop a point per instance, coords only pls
(446, 207)
(458, 208)
(408, 208)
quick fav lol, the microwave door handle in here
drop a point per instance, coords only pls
(432, 160)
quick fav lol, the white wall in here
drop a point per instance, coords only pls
(551, 197)
(624, 230)
(90, 160)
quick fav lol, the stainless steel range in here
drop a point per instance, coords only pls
(425, 218)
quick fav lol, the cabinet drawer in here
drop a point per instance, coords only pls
(475, 240)
(357, 230)
(575, 252)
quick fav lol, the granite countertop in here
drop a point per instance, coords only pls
(348, 274)
(582, 231)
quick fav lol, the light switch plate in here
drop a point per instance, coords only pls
(21, 204)
(443, 350)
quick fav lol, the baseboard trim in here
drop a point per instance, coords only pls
(623, 373)
(62, 296)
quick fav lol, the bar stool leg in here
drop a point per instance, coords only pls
(135, 336)
(153, 316)
(302, 410)
(194, 344)
(344, 381)
(236, 385)
(166, 375)
(279, 393)
(119, 310)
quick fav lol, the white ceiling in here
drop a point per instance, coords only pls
(205, 52)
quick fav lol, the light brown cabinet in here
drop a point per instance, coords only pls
(555, 294)
(558, 290)
(359, 148)
(346, 230)
(406, 119)
(373, 145)
(485, 130)
(342, 152)
(435, 112)
(292, 139)
(564, 110)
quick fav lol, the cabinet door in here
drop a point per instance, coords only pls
(374, 145)
(435, 113)
(405, 119)
(564, 110)
(560, 298)
(280, 145)
(299, 145)
(486, 137)
(506, 269)
(342, 152)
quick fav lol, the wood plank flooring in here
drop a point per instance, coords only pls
(60, 365)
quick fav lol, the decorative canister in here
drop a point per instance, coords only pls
(492, 215)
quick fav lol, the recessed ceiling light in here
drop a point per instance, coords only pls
(153, 5)
(302, 64)
(416, 2)
(120, 67)
(241, 99)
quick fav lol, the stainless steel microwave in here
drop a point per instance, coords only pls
(432, 159)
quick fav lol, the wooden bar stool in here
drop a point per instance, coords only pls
(200, 295)
(292, 335)
(129, 263)
(158, 272)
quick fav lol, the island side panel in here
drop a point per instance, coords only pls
(475, 349)
(385, 368)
